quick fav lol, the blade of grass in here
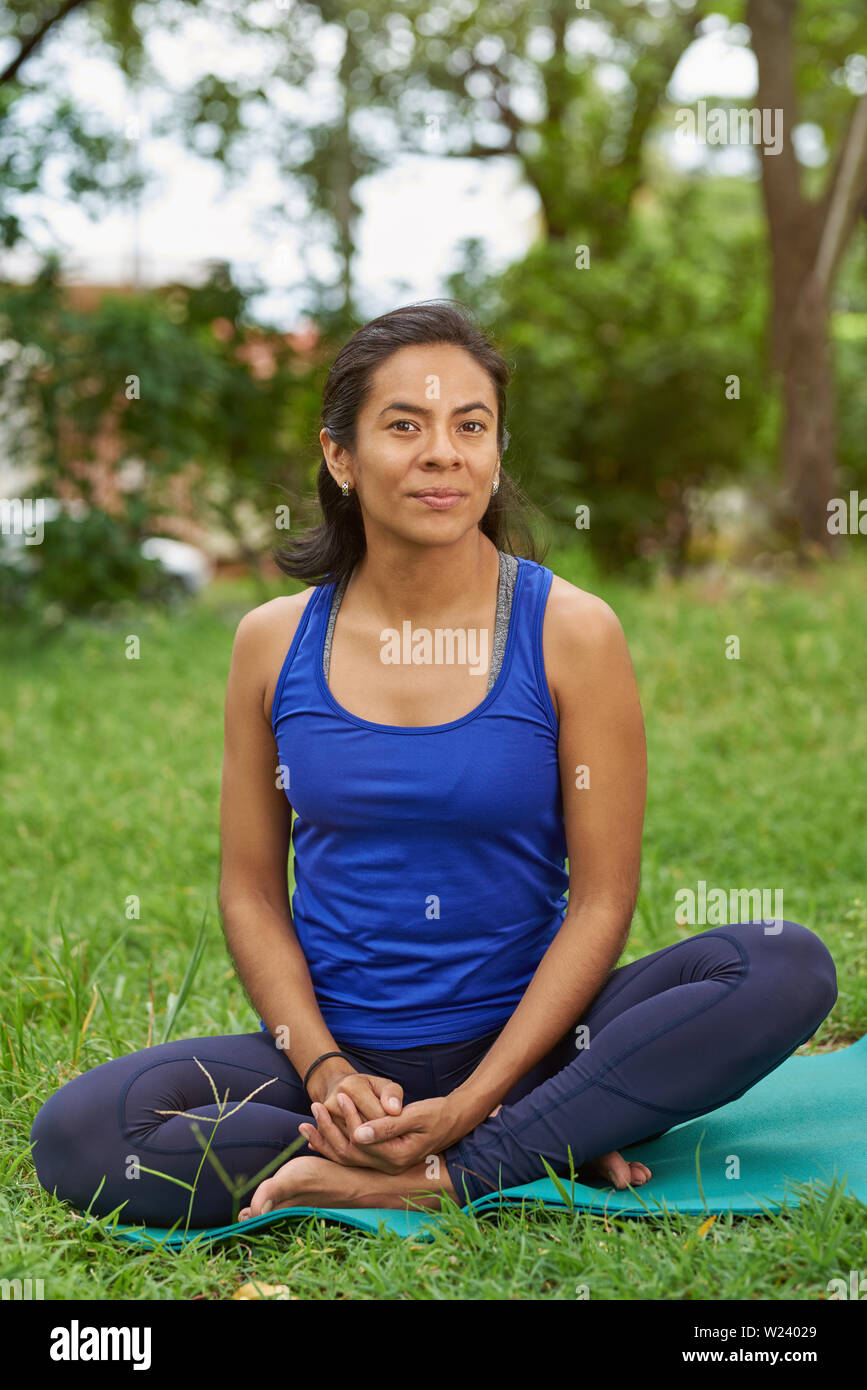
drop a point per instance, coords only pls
(85, 1025)
(569, 1201)
(187, 982)
(698, 1170)
(111, 1029)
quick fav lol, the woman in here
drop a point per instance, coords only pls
(437, 1017)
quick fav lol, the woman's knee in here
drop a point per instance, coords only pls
(68, 1130)
(806, 969)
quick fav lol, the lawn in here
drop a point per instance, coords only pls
(110, 779)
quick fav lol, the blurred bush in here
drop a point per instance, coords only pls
(619, 394)
(83, 564)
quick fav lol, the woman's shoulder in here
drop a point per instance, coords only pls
(582, 634)
(587, 658)
(275, 615)
(575, 614)
(264, 636)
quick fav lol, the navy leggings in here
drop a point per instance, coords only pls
(671, 1036)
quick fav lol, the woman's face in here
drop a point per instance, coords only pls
(429, 423)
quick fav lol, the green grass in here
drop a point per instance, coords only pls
(110, 775)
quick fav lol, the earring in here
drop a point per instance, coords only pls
(496, 485)
(344, 488)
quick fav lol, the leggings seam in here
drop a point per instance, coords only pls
(652, 960)
(167, 1061)
(655, 956)
(635, 1100)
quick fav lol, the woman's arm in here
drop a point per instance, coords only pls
(255, 832)
(593, 685)
(255, 822)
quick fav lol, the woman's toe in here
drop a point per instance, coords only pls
(619, 1173)
(262, 1200)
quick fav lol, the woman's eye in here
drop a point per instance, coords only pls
(480, 423)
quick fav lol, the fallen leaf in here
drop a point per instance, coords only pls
(251, 1291)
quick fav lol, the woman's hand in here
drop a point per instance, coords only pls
(370, 1097)
(423, 1130)
(391, 1143)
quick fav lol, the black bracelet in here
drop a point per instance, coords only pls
(322, 1059)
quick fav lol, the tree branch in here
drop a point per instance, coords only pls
(771, 24)
(648, 96)
(35, 39)
(847, 193)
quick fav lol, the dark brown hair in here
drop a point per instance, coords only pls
(330, 549)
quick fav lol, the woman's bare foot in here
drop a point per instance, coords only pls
(318, 1182)
(615, 1167)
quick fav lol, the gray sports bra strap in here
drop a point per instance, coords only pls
(505, 594)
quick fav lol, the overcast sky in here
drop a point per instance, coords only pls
(415, 212)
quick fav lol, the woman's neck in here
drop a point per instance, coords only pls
(429, 584)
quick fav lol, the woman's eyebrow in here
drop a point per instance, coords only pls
(424, 410)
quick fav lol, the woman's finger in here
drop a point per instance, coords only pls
(313, 1137)
(333, 1104)
(391, 1097)
(330, 1132)
(361, 1091)
(340, 1150)
(389, 1127)
(351, 1117)
(344, 1151)
(329, 1128)
(317, 1143)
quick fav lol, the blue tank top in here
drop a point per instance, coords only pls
(429, 862)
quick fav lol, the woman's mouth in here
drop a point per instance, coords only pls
(439, 501)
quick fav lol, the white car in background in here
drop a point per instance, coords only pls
(191, 567)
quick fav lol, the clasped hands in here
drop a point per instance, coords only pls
(363, 1123)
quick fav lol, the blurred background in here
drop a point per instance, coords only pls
(199, 201)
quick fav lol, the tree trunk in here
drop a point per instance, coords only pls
(809, 430)
(807, 242)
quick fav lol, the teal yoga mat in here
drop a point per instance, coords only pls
(806, 1123)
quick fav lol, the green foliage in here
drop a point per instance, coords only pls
(849, 328)
(618, 399)
(182, 379)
